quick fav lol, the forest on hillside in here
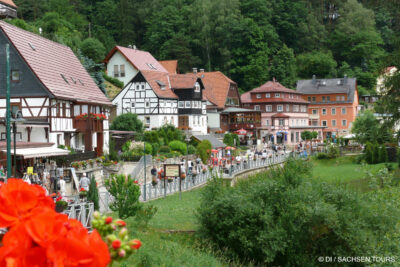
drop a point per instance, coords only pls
(251, 41)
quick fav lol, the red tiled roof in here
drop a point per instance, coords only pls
(8, 2)
(280, 115)
(216, 87)
(245, 97)
(141, 60)
(49, 60)
(183, 81)
(271, 86)
(170, 65)
(274, 100)
(153, 76)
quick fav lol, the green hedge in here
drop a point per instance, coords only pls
(113, 81)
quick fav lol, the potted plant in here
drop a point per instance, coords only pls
(204, 170)
(75, 165)
(91, 162)
(82, 193)
(61, 205)
(83, 164)
(194, 173)
(183, 176)
(170, 179)
(154, 182)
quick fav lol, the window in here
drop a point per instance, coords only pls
(342, 97)
(324, 123)
(328, 98)
(187, 104)
(280, 108)
(15, 76)
(281, 122)
(147, 103)
(309, 99)
(323, 99)
(197, 88)
(142, 86)
(122, 70)
(287, 107)
(343, 111)
(258, 96)
(267, 122)
(147, 120)
(324, 111)
(344, 122)
(337, 98)
(137, 87)
(195, 104)
(333, 111)
(296, 108)
(133, 104)
(257, 107)
(314, 123)
(277, 95)
(333, 123)
(314, 112)
(313, 99)
(116, 72)
(268, 108)
(303, 108)
(267, 95)
(181, 104)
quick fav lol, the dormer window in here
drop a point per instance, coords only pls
(161, 84)
(258, 96)
(15, 76)
(277, 95)
(267, 95)
(197, 88)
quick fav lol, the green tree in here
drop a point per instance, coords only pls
(369, 153)
(317, 63)
(231, 139)
(126, 195)
(375, 152)
(204, 150)
(314, 134)
(94, 49)
(93, 193)
(127, 122)
(366, 127)
(383, 154)
(306, 135)
(283, 67)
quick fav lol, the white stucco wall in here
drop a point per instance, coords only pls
(119, 59)
(214, 120)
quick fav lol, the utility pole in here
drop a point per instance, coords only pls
(8, 111)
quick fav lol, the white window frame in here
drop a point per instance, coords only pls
(333, 123)
(279, 108)
(323, 111)
(147, 103)
(267, 95)
(257, 107)
(147, 120)
(133, 104)
(295, 108)
(324, 121)
(267, 122)
(314, 111)
(344, 122)
(197, 88)
(287, 107)
(188, 104)
(333, 111)
(181, 104)
(277, 95)
(268, 108)
(258, 96)
(345, 111)
(281, 122)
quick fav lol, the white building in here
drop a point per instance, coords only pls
(161, 98)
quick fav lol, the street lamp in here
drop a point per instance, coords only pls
(15, 119)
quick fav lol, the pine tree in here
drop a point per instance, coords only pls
(375, 153)
(93, 193)
(369, 153)
(383, 154)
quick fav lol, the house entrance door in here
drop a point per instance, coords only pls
(183, 122)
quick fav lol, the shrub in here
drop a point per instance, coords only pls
(277, 218)
(231, 139)
(398, 157)
(113, 81)
(204, 150)
(333, 151)
(191, 150)
(126, 195)
(93, 193)
(360, 158)
(144, 215)
(375, 153)
(322, 155)
(127, 122)
(178, 146)
(383, 154)
(369, 153)
(165, 149)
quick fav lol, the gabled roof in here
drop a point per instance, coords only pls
(216, 87)
(273, 86)
(170, 65)
(141, 60)
(328, 86)
(183, 81)
(50, 61)
(9, 3)
(155, 79)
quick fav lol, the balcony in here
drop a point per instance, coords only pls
(314, 116)
(84, 125)
(244, 125)
(184, 128)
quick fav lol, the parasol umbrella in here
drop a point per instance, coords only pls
(214, 151)
(230, 148)
(241, 132)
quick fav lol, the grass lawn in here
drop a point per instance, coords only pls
(345, 170)
(172, 249)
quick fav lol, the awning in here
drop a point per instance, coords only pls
(39, 152)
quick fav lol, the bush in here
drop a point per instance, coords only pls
(113, 81)
(178, 146)
(191, 150)
(375, 153)
(204, 150)
(127, 122)
(333, 151)
(93, 194)
(360, 158)
(165, 149)
(144, 215)
(383, 154)
(277, 218)
(322, 155)
(398, 157)
(231, 139)
(93, 49)
(369, 153)
(126, 195)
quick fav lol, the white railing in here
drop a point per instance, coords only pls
(82, 212)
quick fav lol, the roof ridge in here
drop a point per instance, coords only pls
(32, 33)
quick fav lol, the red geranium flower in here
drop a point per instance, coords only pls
(120, 223)
(59, 198)
(82, 189)
(108, 220)
(116, 244)
(135, 244)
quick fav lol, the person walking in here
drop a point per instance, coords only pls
(63, 189)
(85, 182)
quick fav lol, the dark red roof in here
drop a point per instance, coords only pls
(170, 65)
(274, 87)
(154, 78)
(9, 3)
(280, 115)
(141, 60)
(50, 61)
(183, 81)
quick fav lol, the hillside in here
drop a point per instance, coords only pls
(249, 40)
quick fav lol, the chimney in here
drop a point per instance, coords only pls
(345, 79)
(273, 79)
(201, 70)
(314, 79)
(194, 70)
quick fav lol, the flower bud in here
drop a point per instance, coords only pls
(108, 220)
(122, 253)
(120, 223)
(111, 238)
(96, 215)
(123, 232)
(135, 244)
(116, 244)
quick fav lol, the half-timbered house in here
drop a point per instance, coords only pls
(53, 91)
(8, 9)
(161, 98)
